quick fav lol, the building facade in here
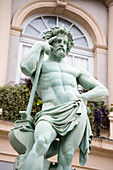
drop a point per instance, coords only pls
(91, 22)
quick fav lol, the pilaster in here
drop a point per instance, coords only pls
(111, 125)
(5, 19)
(109, 3)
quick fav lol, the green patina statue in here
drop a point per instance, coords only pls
(64, 112)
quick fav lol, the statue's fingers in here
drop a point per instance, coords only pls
(51, 39)
(51, 47)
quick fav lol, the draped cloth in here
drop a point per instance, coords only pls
(64, 118)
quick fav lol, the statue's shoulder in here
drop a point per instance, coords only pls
(77, 71)
(82, 71)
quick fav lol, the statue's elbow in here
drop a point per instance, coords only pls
(26, 70)
(106, 93)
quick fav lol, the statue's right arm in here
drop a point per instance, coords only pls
(29, 61)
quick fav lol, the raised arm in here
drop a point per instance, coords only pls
(29, 61)
(96, 91)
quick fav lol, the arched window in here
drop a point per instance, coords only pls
(81, 54)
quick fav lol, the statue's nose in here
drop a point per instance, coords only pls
(61, 45)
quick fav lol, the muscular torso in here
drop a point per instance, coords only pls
(57, 84)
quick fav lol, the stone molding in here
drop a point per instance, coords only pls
(98, 48)
(109, 3)
(70, 10)
(30, 8)
(62, 3)
(14, 30)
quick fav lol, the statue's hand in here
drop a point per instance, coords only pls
(46, 45)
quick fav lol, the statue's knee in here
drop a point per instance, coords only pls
(40, 145)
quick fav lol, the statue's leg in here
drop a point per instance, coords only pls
(44, 135)
(69, 145)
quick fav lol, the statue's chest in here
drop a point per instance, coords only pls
(55, 74)
(49, 67)
(57, 68)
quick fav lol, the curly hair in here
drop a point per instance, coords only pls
(55, 30)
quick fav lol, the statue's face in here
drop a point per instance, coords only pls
(60, 45)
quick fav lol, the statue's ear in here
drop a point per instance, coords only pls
(67, 50)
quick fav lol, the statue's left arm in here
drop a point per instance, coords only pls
(96, 91)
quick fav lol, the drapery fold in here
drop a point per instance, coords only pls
(64, 118)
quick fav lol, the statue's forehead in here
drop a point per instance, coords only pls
(61, 35)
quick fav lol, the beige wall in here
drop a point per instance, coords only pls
(12, 58)
(16, 5)
(110, 52)
(5, 19)
(101, 66)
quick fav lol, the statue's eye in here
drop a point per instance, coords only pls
(59, 41)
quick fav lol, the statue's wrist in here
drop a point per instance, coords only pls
(83, 96)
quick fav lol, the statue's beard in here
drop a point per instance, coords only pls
(60, 52)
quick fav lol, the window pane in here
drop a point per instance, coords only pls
(50, 21)
(64, 22)
(39, 24)
(69, 59)
(25, 50)
(81, 62)
(81, 42)
(32, 31)
(76, 32)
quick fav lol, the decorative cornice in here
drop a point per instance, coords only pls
(109, 3)
(14, 30)
(62, 3)
(60, 6)
(98, 48)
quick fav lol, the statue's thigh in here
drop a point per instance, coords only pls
(72, 140)
(45, 130)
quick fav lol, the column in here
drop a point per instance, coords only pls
(5, 19)
(111, 125)
(109, 3)
(100, 63)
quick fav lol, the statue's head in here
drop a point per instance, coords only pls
(63, 41)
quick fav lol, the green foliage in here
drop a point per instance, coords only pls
(111, 109)
(98, 116)
(15, 99)
(39, 102)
